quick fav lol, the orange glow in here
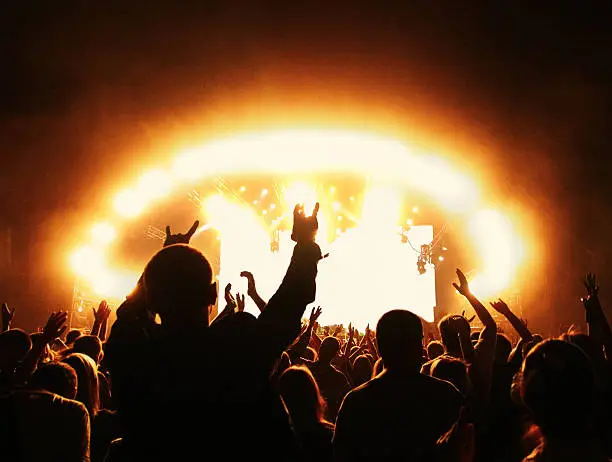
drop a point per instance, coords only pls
(388, 165)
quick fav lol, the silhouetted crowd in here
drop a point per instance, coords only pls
(170, 383)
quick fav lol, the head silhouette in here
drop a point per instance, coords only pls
(301, 395)
(558, 387)
(179, 286)
(89, 345)
(56, 377)
(72, 335)
(503, 348)
(448, 333)
(87, 381)
(361, 371)
(329, 349)
(14, 345)
(399, 335)
(452, 370)
(435, 349)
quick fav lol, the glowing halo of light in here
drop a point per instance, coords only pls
(289, 152)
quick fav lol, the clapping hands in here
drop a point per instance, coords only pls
(233, 303)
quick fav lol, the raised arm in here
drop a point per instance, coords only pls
(100, 317)
(481, 369)
(483, 314)
(7, 317)
(252, 290)
(299, 347)
(54, 328)
(598, 325)
(230, 304)
(180, 238)
(282, 317)
(502, 308)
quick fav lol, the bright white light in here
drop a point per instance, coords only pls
(87, 261)
(500, 251)
(155, 184)
(130, 203)
(264, 192)
(300, 193)
(336, 206)
(103, 233)
(415, 210)
(410, 222)
(314, 152)
(272, 206)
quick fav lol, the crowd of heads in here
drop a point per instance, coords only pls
(169, 381)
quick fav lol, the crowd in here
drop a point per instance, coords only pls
(169, 383)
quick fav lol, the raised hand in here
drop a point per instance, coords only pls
(251, 289)
(179, 238)
(463, 287)
(304, 228)
(7, 317)
(500, 306)
(56, 326)
(314, 315)
(240, 302)
(102, 313)
(229, 298)
(590, 284)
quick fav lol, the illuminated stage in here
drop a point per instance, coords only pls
(382, 204)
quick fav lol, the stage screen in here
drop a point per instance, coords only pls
(366, 274)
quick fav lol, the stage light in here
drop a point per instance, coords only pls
(444, 249)
(255, 202)
(265, 212)
(264, 192)
(272, 206)
(155, 184)
(242, 189)
(80, 309)
(415, 209)
(410, 222)
(129, 203)
(440, 258)
(87, 261)
(352, 198)
(332, 190)
(336, 206)
(103, 233)
(500, 251)
(339, 217)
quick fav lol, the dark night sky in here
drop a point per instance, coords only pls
(89, 92)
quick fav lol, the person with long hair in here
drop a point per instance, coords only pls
(87, 381)
(306, 408)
